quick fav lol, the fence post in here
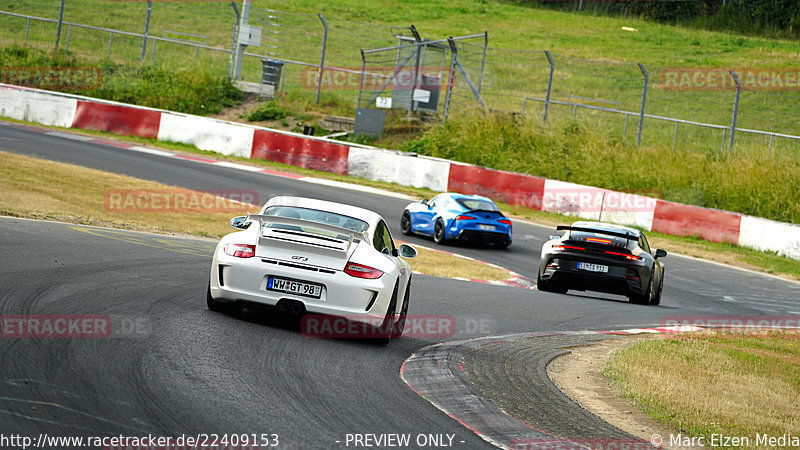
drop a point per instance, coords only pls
(60, 21)
(146, 30)
(322, 54)
(644, 102)
(237, 70)
(735, 108)
(235, 35)
(361, 81)
(483, 59)
(451, 75)
(549, 86)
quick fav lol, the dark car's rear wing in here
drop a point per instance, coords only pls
(594, 230)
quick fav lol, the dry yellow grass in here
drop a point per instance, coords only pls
(40, 189)
(442, 264)
(715, 383)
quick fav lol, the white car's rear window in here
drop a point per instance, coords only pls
(313, 215)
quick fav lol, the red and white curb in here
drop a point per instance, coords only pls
(436, 373)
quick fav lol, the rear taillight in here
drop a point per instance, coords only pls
(627, 256)
(505, 221)
(362, 271)
(240, 250)
(463, 217)
(602, 241)
(567, 247)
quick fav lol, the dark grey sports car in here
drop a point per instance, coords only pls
(603, 257)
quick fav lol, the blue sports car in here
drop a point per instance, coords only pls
(456, 216)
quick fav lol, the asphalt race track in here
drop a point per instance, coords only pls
(171, 367)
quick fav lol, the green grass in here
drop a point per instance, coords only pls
(184, 90)
(734, 384)
(516, 66)
(593, 56)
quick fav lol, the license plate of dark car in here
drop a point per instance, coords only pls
(593, 267)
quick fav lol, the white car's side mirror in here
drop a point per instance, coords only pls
(239, 223)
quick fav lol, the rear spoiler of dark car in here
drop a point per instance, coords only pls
(593, 230)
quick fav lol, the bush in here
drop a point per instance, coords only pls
(187, 91)
(267, 111)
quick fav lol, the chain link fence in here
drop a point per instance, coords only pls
(321, 61)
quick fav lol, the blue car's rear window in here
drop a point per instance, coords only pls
(473, 204)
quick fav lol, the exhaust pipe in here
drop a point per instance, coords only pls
(291, 306)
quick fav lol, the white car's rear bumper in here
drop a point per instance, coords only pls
(245, 279)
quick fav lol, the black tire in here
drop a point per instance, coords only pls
(438, 232)
(647, 297)
(397, 327)
(221, 307)
(656, 300)
(546, 286)
(405, 223)
(387, 326)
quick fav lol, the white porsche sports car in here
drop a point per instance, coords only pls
(305, 255)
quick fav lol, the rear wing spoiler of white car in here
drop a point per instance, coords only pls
(308, 226)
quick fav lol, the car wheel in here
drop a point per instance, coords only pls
(657, 298)
(387, 326)
(405, 223)
(546, 286)
(647, 297)
(221, 307)
(438, 232)
(398, 327)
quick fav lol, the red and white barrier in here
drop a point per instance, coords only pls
(396, 167)
(509, 187)
(37, 106)
(207, 134)
(768, 235)
(71, 111)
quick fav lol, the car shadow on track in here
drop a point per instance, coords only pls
(612, 299)
(293, 323)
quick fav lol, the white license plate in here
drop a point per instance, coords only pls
(593, 267)
(294, 287)
(486, 227)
